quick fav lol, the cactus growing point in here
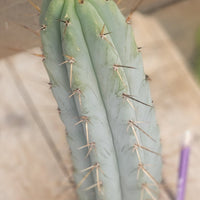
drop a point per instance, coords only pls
(97, 79)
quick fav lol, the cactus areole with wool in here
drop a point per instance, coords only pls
(97, 78)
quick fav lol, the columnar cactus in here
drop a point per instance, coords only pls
(97, 79)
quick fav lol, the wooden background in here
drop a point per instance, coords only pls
(16, 14)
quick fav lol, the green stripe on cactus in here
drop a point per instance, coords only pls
(84, 78)
(60, 87)
(125, 44)
(99, 84)
(44, 7)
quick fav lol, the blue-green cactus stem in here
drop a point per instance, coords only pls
(97, 78)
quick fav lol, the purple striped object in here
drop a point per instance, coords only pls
(183, 167)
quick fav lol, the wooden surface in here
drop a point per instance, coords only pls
(181, 21)
(28, 170)
(176, 96)
(17, 14)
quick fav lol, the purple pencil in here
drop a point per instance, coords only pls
(183, 167)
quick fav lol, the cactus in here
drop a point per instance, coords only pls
(97, 78)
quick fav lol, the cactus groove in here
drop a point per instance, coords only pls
(97, 78)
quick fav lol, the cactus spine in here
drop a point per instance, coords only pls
(97, 78)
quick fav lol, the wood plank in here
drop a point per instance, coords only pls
(176, 97)
(28, 169)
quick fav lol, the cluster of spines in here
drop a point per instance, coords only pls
(131, 124)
